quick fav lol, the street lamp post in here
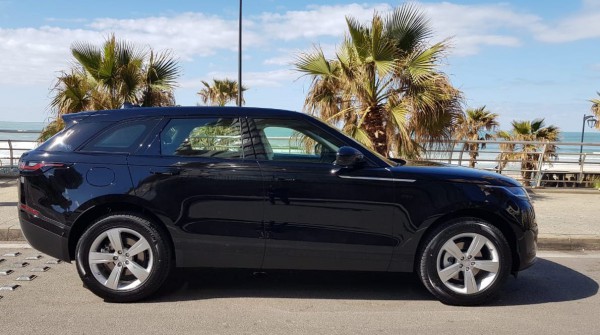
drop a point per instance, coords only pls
(239, 97)
(591, 121)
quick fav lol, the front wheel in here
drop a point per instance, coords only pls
(465, 262)
(123, 258)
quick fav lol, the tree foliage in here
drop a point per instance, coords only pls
(220, 92)
(107, 76)
(472, 125)
(529, 154)
(384, 86)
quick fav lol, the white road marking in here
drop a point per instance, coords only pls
(15, 246)
(569, 254)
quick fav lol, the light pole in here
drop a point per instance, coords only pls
(591, 121)
(239, 96)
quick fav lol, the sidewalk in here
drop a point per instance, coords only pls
(568, 220)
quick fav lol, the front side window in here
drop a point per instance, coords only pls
(206, 137)
(293, 140)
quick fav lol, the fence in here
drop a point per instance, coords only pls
(11, 148)
(536, 164)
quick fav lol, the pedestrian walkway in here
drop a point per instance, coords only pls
(567, 219)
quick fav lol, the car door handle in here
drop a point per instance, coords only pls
(166, 172)
(286, 179)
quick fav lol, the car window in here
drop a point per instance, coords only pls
(122, 137)
(206, 137)
(70, 138)
(293, 140)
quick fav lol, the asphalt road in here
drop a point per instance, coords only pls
(558, 295)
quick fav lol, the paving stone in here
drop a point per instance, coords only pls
(19, 265)
(42, 269)
(12, 254)
(9, 287)
(33, 258)
(26, 278)
(5, 272)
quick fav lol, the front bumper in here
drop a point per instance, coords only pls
(45, 236)
(527, 249)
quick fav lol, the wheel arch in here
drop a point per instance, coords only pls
(112, 205)
(477, 213)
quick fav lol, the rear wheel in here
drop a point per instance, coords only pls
(123, 258)
(465, 262)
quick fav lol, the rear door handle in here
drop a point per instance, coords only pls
(166, 172)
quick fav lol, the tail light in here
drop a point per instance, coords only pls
(35, 166)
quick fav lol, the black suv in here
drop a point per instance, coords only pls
(128, 194)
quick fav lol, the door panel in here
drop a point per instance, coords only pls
(215, 205)
(316, 219)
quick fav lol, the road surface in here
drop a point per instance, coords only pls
(558, 295)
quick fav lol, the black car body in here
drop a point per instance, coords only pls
(219, 188)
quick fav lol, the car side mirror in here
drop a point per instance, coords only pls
(348, 157)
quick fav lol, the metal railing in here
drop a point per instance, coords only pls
(11, 149)
(544, 164)
(538, 167)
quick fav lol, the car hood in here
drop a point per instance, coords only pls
(433, 171)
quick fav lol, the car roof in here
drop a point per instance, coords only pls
(136, 112)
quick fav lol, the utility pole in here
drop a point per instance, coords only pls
(239, 83)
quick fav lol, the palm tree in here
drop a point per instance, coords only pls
(596, 109)
(106, 77)
(472, 125)
(384, 87)
(220, 93)
(529, 153)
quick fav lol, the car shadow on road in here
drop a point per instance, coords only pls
(197, 284)
(545, 282)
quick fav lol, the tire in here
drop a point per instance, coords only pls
(128, 272)
(465, 262)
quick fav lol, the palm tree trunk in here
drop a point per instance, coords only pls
(375, 128)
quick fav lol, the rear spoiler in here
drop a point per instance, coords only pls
(73, 118)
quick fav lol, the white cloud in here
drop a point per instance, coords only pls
(34, 55)
(584, 25)
(316, 21)
(475, 26)
(252, 79)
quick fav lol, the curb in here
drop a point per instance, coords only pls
(545, 242)
(569, 242)
(12, 233)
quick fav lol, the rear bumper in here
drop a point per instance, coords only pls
(52, 242)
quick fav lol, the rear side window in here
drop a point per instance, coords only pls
(72, 137)
(206, 137)
(122, 137)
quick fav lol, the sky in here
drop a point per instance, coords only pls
(521, 59)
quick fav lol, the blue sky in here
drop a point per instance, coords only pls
(522, 59)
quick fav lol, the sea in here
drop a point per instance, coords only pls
(25, 141)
